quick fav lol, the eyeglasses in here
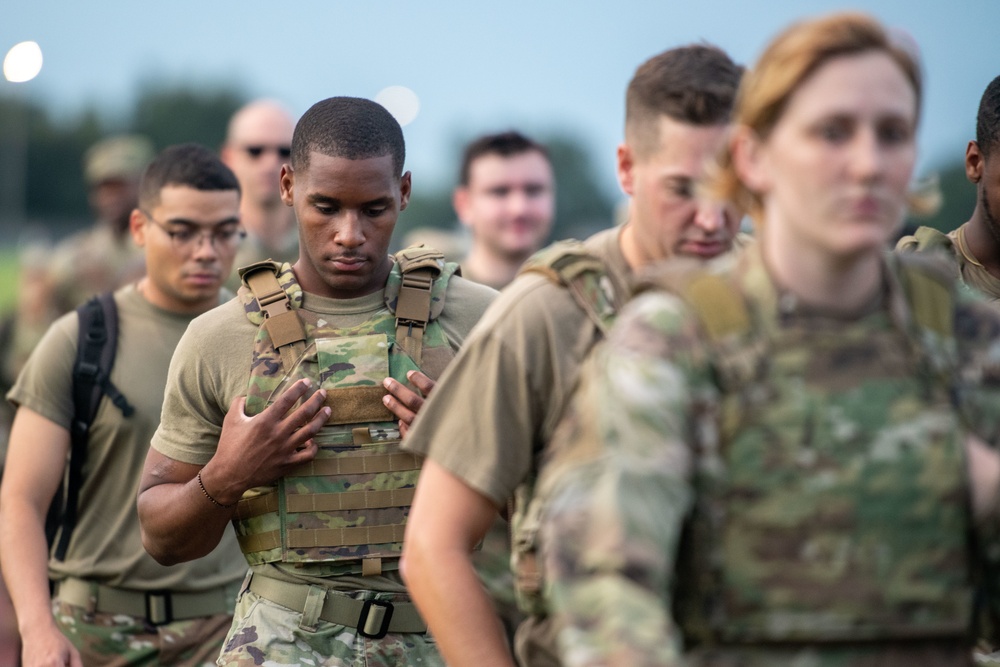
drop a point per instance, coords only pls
(256, 151)
(225, 236)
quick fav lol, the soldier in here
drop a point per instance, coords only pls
(275, 411)
(487, 424)
(100, 258)
(506, 198)
(258, 143)
(770, 465)
(114, 604)
(976, 243)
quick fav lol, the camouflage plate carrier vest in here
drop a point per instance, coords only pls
(347, 508)
(570, 265)
(808, 526)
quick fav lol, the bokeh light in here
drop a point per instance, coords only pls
(23, 62)
(402, 103)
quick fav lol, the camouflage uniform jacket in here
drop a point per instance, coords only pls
(814, 510)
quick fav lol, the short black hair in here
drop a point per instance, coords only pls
(348, 127)
(694, 84)
(190, 164)
(504, 144)
(988, 118)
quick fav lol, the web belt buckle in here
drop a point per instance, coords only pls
(367, 619)
(159, 608)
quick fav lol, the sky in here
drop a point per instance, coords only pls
(536, 65)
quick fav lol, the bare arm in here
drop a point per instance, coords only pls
(179, 523)
(447, 520)
(403, 401)
(35, 463)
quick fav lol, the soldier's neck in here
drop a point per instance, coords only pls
(982, 237)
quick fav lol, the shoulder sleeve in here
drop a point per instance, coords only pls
(617, 489)
(209, 369)
(45, 384)
(488, 415)
(465, 304)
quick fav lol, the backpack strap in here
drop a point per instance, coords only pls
(281, 321)
(420, 266)
(97, 344)
(568, 263)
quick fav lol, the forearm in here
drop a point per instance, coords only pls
(457, 609)
(25, 560)
(179, 522)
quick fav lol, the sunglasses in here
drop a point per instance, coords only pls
(256, 151)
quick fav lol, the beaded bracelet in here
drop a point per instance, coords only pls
(207, 495)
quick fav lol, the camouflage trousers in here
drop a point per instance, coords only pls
(265, 633)
(117, 640)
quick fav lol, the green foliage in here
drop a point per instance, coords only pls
(178, 115)
(54, 187)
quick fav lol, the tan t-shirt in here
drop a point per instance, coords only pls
(212, 367)
(106, 545)
(501, 398)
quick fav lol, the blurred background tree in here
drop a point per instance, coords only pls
(55, 198)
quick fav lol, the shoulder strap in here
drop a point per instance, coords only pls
(586, 277)
(737, 343)
(97, 344)
(924, 239)
(282, 323)
(930, 296)
(419, 266)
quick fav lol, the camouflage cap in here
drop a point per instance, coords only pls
(117, 157)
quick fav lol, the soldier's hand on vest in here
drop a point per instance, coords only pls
(403, 401)
(258, 450)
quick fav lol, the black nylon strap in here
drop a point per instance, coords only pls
(97, 344)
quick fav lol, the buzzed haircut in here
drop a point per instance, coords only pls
(693, 84)
(988, 118)
(190, 165)
(348, 127)
(504, 144)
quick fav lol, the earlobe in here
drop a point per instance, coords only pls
(286, 183)
(137, 227)
(749, 160)
(405, 184)
(460, 202)
(973, 162)
(625, 162)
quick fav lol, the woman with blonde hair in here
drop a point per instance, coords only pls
(781, 459)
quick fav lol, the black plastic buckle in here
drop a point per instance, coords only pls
(159, 608)
(363, 619)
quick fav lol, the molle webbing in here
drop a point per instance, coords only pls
(282, 323)
(420, 266)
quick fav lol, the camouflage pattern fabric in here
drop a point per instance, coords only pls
(830, 527)
(268, 634)
(117, 640)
